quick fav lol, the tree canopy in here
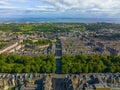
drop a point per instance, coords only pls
(25, 64)
(90, 64)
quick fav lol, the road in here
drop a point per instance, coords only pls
(58, 84)
(58, 54)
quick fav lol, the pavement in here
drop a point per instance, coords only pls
(59, 84)
(58, 54)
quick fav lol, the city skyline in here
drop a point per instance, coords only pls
(60, 8)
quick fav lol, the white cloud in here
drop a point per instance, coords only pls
(103, 6)
(3, 3)
(43, 8)
(95, 7)
(16, 0)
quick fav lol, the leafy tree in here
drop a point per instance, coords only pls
(90, 64)
(26, 64)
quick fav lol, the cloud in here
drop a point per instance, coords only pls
(16, 0)
(43, 8)
(108, 8)
(101, 6)
(3, 3)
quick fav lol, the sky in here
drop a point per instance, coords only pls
(60, 8)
